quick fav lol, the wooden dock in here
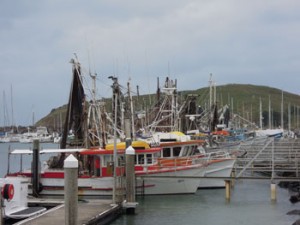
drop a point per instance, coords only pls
(90, 212)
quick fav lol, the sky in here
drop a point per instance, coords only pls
(237, 41)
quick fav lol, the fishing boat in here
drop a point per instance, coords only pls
(99, 171)
(163, 131)
(219, 162)
(154, 174)
(41, 134)
(15, 203)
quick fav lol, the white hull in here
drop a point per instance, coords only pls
(221, 169)
(176, 182)
(168, 182)
(17, 207)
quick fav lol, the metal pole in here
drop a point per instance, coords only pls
(273, 163)
(8, 160)
(115, 150)
(71, 190)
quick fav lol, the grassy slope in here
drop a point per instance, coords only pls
(245, 99)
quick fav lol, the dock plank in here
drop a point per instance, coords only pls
(89, 212)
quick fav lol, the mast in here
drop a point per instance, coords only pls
(75, 118)
(270, 119)
(12, 108)
(94, 117)
(260, 114)
(282, 125)
(289, 117)
(131, 109)
(210, 91)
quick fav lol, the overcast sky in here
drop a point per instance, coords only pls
(244, 42)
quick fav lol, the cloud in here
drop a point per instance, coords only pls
(237, 41)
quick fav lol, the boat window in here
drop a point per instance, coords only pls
(141, 159)
(106, 158)
(166, 152)
(200, 150)
(191, 150)
(149, 158)
(155, 156)
(194, 150)
(185, 151)
(176, 151)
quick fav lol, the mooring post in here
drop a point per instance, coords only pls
(71, 190)
(130, 203)
(273, 191)
(227, 189)
(36, 168)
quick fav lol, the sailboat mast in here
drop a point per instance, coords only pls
(12, 108)
(289, 117)
(282, 125)
(270, 119)
(210, 91)
(260, 114)
(131, 108)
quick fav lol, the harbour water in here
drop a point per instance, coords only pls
(250, 202)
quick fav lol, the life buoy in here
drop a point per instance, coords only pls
(8, 191)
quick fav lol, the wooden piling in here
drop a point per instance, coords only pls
(273, 191)
(36, 168)
(130, 203)
(71, 190)
(227, 189)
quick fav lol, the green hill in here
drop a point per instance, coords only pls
(243, 99)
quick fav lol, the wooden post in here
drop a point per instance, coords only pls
(130, 181)
(227, 189)
(36, 168)
(71, 190)
(273, 191)
(130, 203)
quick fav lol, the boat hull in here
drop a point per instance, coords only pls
(221, 170)
(183, 180)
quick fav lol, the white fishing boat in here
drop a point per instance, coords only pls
(41, 134)
(14, 193)
(177, 145)
(154, 175)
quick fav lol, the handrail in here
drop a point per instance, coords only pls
(257, 154)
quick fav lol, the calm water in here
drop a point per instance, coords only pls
(250, 203)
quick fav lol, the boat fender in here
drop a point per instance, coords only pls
(8, 192)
